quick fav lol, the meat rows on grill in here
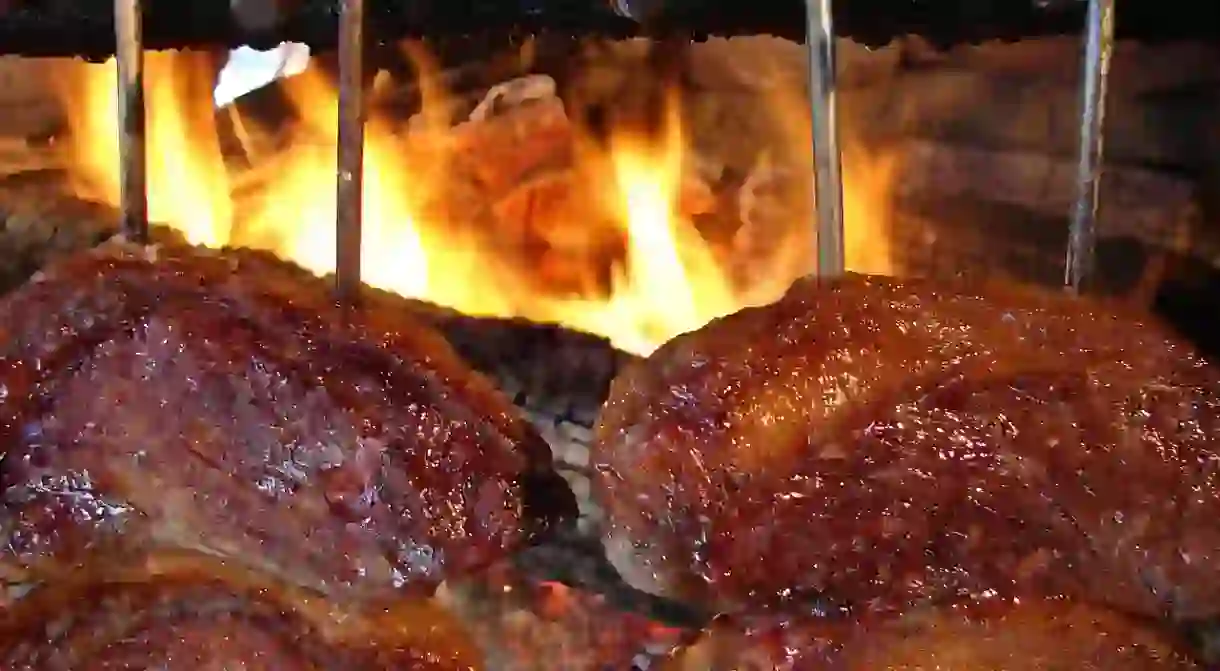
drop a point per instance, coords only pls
(194, 613)
(1034, 635)
(224, 466)
(892, 446)
(182, 400)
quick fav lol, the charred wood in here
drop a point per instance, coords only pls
(86, 29)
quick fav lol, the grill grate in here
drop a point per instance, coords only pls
(827, 183)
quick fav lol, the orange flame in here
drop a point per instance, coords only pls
(186, 171)
(299, 210)
(421, 242)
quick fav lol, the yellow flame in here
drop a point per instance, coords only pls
(672, 283)
(298, 217)
(185, 167)
(417, 238)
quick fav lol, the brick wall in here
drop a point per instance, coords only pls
(999, 121)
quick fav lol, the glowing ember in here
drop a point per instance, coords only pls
(417, 242)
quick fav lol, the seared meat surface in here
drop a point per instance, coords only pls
(189, 614)
(886, 444)
(176, 397)
(1031, 636)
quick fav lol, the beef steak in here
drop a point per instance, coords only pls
(884, 444)
(176, 397)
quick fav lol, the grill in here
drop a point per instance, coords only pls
(820, 33)
(590, 361)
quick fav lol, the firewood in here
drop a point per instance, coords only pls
(500, 150)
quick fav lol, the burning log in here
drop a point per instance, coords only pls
(526, 164)
(63, 28)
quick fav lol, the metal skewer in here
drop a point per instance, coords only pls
(1099, 45)
(349, 205)
(129, 66)
(828, 180)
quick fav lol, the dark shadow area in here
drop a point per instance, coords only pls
(1184, 291)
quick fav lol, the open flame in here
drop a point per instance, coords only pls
(419, 242)
(187, 182)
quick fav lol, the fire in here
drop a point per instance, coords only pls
(299, 212)
(671, 282)
(418, 240)
(185, 169)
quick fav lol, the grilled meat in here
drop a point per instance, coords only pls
(179, 398)
(885, 444)
(1032, 636)
(193, 614)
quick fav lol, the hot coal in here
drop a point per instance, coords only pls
(65, 29)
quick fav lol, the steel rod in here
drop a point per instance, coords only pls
(828, 177)
(1099, 45)
(349, 191)
(129, 78)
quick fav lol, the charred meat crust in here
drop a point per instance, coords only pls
(1031, 636)
(186, 612)
(220, 401)
(892, 443)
